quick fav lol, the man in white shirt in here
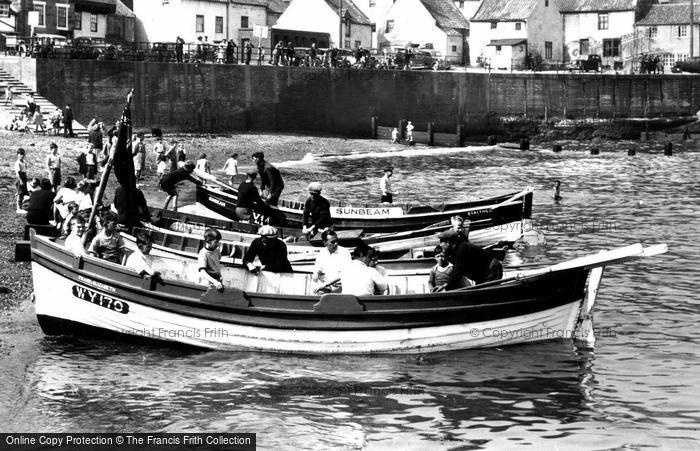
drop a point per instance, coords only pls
(385, 186)
(358, 278)
(330, 263)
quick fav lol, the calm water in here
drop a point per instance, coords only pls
(639, 387)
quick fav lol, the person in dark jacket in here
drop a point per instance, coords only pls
(248, 52)
(271, 251)
(40, 208)
(270, 179)
(68, 121)
(317, 212)
(179, 49)
(169, 181)
(230, 51)
(141, 207)
(249, 200)
(469, 261)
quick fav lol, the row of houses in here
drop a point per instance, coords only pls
(502, 32)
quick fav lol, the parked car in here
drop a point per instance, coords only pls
(592, 62)
(689, 65)
(421, 59)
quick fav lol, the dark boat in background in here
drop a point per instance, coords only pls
(483, 213)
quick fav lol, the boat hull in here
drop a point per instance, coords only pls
(483, 213)
(66, 313)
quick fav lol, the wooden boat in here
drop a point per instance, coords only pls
(186, 235)
(178, 245)
(276, 312)
(484, 213)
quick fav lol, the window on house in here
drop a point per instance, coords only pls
(245, 23)
(584, 47)
(389, 26)
(493, 25)
(498, 50)
(653, 32)
(546, 3)
(611, 47)
(347, 28)
(166, 2)
(374, 27)
(93, 23)
(372, 3)
(603, 21)
(454, 48)
(41, 9)
(518, 25)
(4, 10)
(218, 24)
(547, 50)
(62, 16)
(461, 4)
(682, 31)
(358, 44)
(199, 24)
(77, 20)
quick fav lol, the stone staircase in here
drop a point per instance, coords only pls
(19, 93)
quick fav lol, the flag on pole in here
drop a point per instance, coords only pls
(123, 163)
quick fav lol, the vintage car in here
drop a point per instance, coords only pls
(162, 52)
(591, 62)
(421, 59)
(689, 65)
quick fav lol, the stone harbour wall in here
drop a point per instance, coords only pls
(219, 98)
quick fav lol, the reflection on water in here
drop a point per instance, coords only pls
(639, 387)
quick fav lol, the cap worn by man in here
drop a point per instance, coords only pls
(258, 155)
(314, 187)
(448, 235)
(268, 231)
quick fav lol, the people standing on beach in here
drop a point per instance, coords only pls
(203, 164)
(38, 120)
(249, 200)
(317, 212)
(271, 183)
(8, 95)
(395, 136)
(21, 180)
(53, 166)
(385, 186)
(68, 122)
(90, 164)
(139, 155)
(409, 132)
(231, 167)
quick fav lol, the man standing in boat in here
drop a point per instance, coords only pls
(271, 182)
(469, 261)
(385, 186)
(317, 212)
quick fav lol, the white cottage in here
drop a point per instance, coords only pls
(321, 21)
(427, 23)
(605, 28)
(666, 30)
(503, 32)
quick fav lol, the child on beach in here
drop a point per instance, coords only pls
(231, 167)
(203, 164)
(21, 180)
(162, 165)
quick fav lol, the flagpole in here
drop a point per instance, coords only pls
(692, 35)
(105, 176)
(340, 25)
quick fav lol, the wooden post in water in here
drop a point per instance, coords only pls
(402, 129)
(459, 135)
(373, 121)
(431, 134)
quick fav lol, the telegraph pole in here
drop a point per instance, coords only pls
(340, 26)
(692, 37)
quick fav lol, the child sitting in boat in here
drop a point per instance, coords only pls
(209, 260)
(440, 274)
(74, 240)
(108, 244)
(141, 260)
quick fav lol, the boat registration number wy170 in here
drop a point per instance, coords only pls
(100, 299)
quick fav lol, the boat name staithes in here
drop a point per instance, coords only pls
(100, 299)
